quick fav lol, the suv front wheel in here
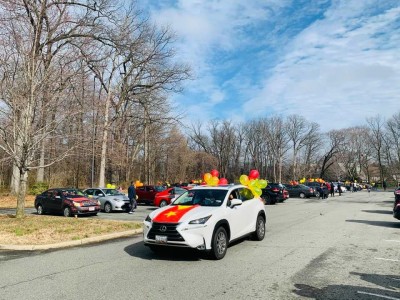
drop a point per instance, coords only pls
(259, 234)
(219, 243)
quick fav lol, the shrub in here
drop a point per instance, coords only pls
(38, 188)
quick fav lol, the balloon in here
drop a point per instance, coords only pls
(214, 173)
(214, 181)
(263, 183)
(257, 192)
(108, 186)
(203, 183)
(254, 174)
(222, 181)
(252, 183)
(207, 177)
(244, 179)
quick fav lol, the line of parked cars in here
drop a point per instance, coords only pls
(71, 201)
(396, 208)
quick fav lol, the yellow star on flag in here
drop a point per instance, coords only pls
(170, 213)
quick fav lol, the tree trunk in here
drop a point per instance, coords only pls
(40, 171)
(21, 194)
(14, 186)
(104, 141)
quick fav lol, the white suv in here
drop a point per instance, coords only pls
(206, 218)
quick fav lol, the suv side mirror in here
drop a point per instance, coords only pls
(235, 202)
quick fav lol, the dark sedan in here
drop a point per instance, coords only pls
(274, 192)
(66, 201)
(299, 190)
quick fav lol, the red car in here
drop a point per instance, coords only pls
(164, 198)
(147, 193)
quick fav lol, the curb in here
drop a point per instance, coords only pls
(85, 241)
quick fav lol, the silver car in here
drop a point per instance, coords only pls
(110, 199)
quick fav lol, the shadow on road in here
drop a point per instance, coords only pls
(340, 292)
(166, 253)
(377, 223)
(384, 212)
(391, 282)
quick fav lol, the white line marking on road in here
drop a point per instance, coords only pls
(396, 241)
(388, 259)
(377, 295)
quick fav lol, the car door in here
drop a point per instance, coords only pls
(239, 217)
(45, 198)
(54, 201)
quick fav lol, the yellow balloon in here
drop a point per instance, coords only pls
(244, 179)
(262, 183)
(207, 177)
(252, 183)
(214, 180)
(257, 191)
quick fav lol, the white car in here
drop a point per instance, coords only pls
(110, 199)
(206, 218)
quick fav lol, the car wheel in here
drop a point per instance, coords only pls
(40, 210)
(302, 195)
(163, 203)
(317, 194)
(107, 207)
(259, 234)
(67, 211)
(219, 243)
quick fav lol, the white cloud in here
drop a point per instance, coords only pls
(338, 71)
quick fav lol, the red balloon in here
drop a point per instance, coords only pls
(254, 174)
(203, 183)
(223, 181)
(214, 173)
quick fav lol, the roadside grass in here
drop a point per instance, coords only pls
(8, 201)
(42, 230)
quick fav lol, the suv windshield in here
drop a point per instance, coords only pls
(112, 192)
(201, 197)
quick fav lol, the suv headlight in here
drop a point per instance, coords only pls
(200, 221)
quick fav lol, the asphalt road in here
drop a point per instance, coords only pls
(344, 247)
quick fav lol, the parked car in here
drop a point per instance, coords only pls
(299, 190)
(396, 211)
(66, 201)
(146, 193)
(206, 218)
(165, 197)
(397, 196)
(315, 186)
(274, 192)
(110, 199)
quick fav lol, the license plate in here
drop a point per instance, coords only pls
(161, 238)
(91, 208)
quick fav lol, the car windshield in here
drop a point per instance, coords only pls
(159, 188)
(73, 193)
(111, 192)
(211, 197)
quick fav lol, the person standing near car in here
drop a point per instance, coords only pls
(339, 187)
(132, 197)
(332, 190)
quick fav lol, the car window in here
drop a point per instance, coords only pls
(98, 193)
(211, 197)
(159, 188)
(89, 192)
(245, 194)
(112, 192)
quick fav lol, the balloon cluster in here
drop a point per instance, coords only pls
(253, 183)
(213, 180)
(138, 183)
(294, 182)
(110, 186)
(319, 180)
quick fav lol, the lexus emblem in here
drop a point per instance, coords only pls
(163, 228)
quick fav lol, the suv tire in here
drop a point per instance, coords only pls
(107, 207)
(219, 243)
(259, 234)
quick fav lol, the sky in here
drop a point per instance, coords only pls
(336, 63)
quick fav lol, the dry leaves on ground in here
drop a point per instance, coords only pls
(42, 230)
(7, 201)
